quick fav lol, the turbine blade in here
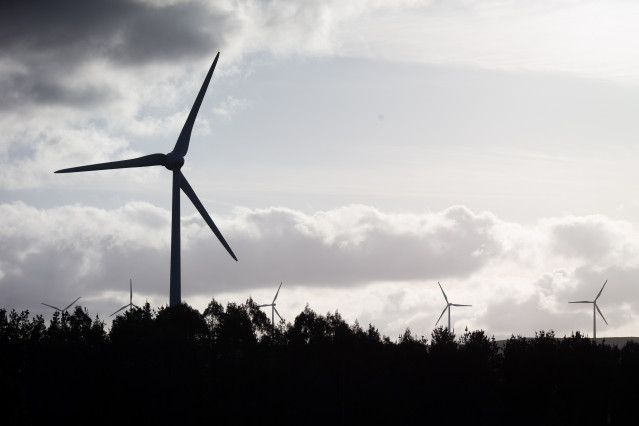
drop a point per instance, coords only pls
(131, 290)
(599, 294)
(54, 307)
(278, 314)
(125, 306)
(182, 144)
(71, 304)
(455, 304)
(601, 314)
(135, 305)
(583, 301)
(146, 161)
(440, 286)
(440, 317)
(278, 292)
(198, 205)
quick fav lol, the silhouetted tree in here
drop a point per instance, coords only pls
(229, 366)
(626, 388)
(236, 327)
(181, 323)
(442, 343)
(213, 315)
(307, 328)
(134, 327)
(262, 327)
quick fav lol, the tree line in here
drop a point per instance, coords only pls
(230, 365)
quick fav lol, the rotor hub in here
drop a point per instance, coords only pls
(173, 161)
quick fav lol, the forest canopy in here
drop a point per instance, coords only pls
(231, 365)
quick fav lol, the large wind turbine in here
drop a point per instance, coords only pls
(173, 161)
(448, 305)
(131, 304)
(595, 309)
(273, 310)
(62, 310)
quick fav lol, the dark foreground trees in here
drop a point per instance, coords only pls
(229, 365)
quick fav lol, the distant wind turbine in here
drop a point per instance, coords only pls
(173, 161)
(448, 305)
(131, 304)
(62, 310)
(595, 309)
(273, 309)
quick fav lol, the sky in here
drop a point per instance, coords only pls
(359, 152)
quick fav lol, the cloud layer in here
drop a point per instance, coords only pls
(517, 278)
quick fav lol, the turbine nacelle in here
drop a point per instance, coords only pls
(173, 161)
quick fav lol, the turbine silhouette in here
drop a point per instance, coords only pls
(595, 309)
(448, 305)
(273, 310)
(62, 310)
(173, 161)
(131, 304)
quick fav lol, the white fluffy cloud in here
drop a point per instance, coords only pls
(376, 266)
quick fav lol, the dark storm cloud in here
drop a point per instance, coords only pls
(44, 41)
(124, 31)
(38, 86)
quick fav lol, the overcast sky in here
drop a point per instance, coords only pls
(357, 152)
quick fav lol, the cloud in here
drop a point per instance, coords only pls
(47, 48)
(589, 39)
(594, 239)
(357, 244)
(125, 67)
(315, 250)
(230, 106)
(50, 40)
(386, 263)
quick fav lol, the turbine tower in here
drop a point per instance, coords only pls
(131, 304)
(448, 305)
(62, 310)
(595, 309)
(274, 310)
(173, 161)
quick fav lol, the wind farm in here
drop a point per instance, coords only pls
(362, 151)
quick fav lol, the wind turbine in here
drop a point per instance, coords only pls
(173, 161)
(274, 310)
(595, 309)
(448, 305)
(62, 310)
(131, 304)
